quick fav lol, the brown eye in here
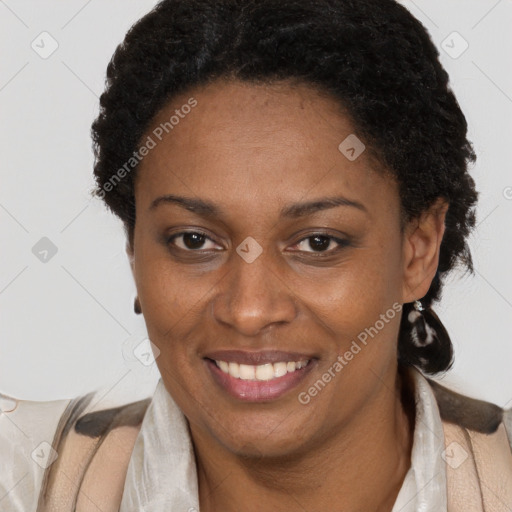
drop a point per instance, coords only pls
(320, 243)
(190, 240)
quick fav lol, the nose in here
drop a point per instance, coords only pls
(254, 296)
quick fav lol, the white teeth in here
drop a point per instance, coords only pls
(264, 372)
(247, 372)
(234, 370)
(260, 372)
(280, 369)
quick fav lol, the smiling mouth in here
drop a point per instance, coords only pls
(258, 377)
(262, 372)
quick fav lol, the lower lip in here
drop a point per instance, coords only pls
(258, 390)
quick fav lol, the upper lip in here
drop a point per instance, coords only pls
(256, 358)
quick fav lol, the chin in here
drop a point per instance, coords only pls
(286, 434)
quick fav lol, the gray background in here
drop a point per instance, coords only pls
(66, 319)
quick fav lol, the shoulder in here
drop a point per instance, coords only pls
(477, 416)
(483, 421)
(27, 430)
(480, 432)
(34, 435)
(94, 443)
(471, 413)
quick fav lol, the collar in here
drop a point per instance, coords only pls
(162, 470)
(424, 488)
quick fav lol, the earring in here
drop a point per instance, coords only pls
(136, 306)
(416, 313)
(422, 333)
(423, 340)
(418, 306)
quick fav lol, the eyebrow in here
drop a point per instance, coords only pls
(296, 210)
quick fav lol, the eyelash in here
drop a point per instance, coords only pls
(341, 242)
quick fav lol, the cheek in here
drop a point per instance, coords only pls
(170, 296)
(172, 303)
(354, 295)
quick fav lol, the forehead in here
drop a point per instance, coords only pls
(248, 145)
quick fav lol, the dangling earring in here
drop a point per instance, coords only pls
(136, 306)
(422, 334)
(423, 340)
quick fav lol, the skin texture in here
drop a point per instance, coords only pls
(252, 150)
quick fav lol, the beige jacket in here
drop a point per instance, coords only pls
(94, 450)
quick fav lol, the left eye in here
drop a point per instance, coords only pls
(320, 243)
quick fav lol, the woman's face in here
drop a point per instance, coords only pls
(293, 254)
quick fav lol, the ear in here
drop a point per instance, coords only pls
(421, 246)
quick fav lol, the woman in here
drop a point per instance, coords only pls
(292, 177)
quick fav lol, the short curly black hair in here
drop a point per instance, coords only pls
(372, 56)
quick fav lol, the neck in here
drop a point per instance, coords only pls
(359, 468)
